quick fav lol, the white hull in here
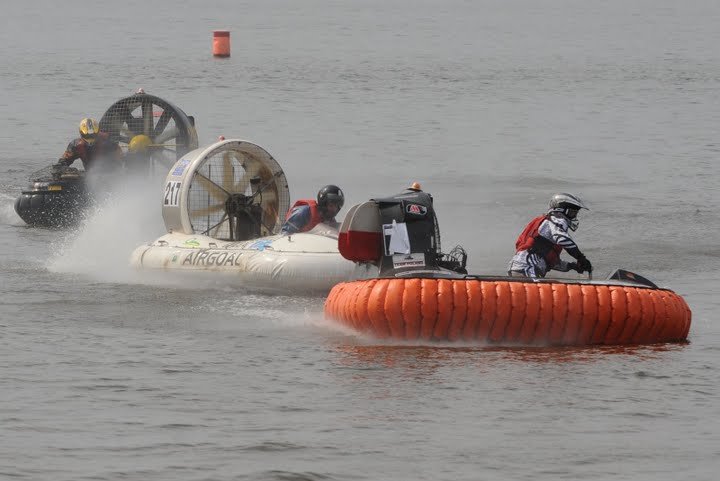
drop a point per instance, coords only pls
(301, 263)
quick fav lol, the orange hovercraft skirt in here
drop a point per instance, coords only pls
(509, 311)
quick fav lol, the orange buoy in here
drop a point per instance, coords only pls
(221, 43)
(509, 311)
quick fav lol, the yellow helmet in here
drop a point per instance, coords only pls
(89, 130)
(139, 143)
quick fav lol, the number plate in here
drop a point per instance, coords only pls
(172, 194)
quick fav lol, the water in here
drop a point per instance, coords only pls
(493, 106)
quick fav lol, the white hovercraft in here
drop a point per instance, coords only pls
(223, 206)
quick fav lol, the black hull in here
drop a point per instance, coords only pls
(56, 204)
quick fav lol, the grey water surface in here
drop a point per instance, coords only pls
(108, 374)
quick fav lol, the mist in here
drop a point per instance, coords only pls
(127, 215)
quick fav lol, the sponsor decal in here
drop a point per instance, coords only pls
(396, 238)
(416, 209)
(208, 258)
(56, 187)
(191, 242)
(180, 167)
(260, 245)
(409, 260)
(172, 194)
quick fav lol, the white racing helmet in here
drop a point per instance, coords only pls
(567, 205)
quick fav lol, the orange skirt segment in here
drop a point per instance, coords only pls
(509, 312)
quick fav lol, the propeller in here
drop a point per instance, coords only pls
(235, 194)
(151, 116)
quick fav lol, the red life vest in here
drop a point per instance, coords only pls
(81, 150)
(78, 149)
(529, 236)
(315, 217)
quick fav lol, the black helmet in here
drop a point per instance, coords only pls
(330, 194)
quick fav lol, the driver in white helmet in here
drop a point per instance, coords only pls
(539, 246)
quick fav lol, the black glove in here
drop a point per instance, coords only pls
(572, 266)
(583, 265)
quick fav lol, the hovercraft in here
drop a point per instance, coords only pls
(223, 206)
(55, 197)
(420, 294)
(58, 197)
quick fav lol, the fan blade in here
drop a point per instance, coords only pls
(211, 209)
(147, 116)
(127, 132)
(268, 195)
(211, 227)
(217, 192)
(253, 169)
(266, 186)
(228, 172)
(270, 220)
(218, 226)
(270, 215)
(162, 123)
(265, 193)
(167, 135)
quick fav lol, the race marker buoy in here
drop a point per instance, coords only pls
(221, 43)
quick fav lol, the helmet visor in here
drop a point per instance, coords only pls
(334, 199)
(332, 207)
(89, 138)
(571, 214)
